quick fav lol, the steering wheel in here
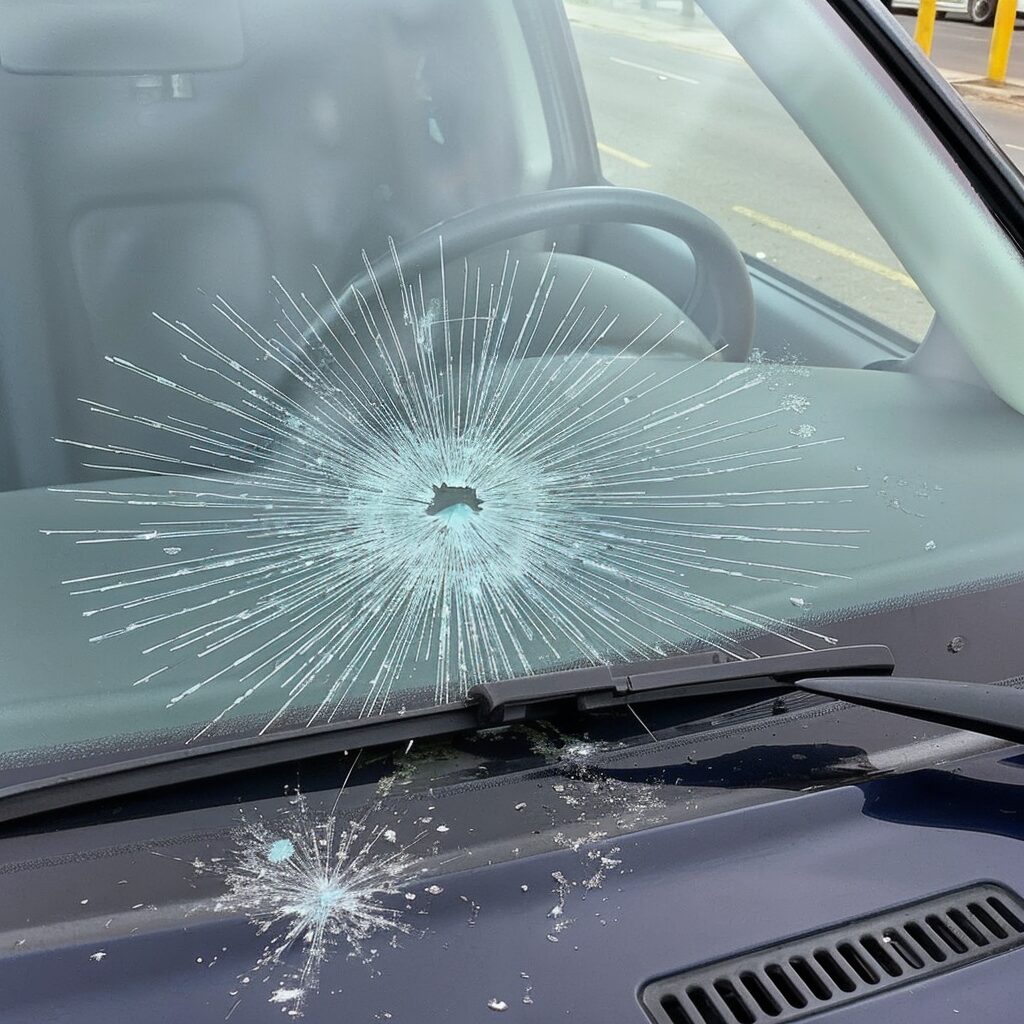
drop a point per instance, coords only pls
(721, 301)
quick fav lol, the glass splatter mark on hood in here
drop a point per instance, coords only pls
(423, 493)
(325, 883)
(280, 849)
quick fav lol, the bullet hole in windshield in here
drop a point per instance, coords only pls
(453, 502)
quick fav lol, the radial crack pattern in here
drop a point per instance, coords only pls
(462, 481)
(311, 884)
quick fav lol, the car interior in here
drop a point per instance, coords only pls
(223, 158)
(228, 154)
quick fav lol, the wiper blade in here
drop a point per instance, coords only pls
(605, 687)
(540, 696)
(996, 711)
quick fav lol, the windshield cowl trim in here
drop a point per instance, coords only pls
(581, 690)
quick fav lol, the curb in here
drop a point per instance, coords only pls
(976, 87)
(982, 90)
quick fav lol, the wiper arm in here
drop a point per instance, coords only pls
(977, 707)
(540, 696)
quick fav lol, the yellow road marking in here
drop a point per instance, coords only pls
(864, 262)
(626, 158)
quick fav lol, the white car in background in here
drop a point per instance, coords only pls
(981, 12)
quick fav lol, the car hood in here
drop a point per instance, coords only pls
(555, 892)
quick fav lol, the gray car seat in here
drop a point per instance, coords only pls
(158, 154)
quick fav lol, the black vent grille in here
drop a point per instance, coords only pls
(803, 976)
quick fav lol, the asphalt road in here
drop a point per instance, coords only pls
(1005, 124)
(960, 46)
(703, 128)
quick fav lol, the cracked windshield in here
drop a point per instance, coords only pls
(355, 359)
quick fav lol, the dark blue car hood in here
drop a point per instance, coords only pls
(554, 892)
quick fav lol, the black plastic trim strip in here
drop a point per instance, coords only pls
(174, 767)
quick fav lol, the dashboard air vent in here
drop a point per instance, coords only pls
(806, 975)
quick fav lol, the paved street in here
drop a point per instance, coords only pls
(1005, 124)
(699, 125)
(961, 46)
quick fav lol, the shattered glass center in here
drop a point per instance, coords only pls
(330, 889)
(454, 504)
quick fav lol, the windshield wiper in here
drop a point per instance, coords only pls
(530, 697)
(858, 675)
(996, 711)
(687, 677)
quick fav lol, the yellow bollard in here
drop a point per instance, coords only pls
(1002, 36)
(924, 30)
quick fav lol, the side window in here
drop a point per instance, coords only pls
(676, 110)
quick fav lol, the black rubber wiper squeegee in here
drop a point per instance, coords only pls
(671, 679)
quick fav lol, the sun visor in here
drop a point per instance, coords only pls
(114, 37)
